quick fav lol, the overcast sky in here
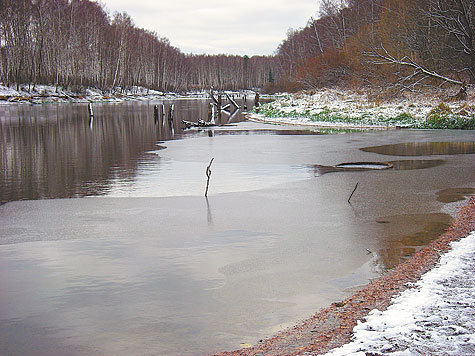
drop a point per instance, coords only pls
(252, 27)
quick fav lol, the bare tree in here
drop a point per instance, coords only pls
(456, 18)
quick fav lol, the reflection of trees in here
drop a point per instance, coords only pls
(53, 152)
(424, 148)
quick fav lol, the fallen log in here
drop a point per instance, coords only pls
(199, 123)
(233, 101)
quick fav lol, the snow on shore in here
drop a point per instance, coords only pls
(333, 107)
(50, 93)
(39, 94)
(436, 317)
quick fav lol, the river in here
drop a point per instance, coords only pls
(108, 246)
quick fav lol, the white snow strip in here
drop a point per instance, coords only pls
(302, 108)
(436, 317)
(49, 93)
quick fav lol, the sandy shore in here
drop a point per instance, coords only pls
(332, 326)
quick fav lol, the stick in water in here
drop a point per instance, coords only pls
(208, 174)
(353, 192)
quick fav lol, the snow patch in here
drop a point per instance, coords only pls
(39, 94)
(348, 106)
(436, 317)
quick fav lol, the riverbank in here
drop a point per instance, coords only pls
(44, 94)
(332, 327)
(343, 108)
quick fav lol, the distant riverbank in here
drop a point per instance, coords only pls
(43, 94)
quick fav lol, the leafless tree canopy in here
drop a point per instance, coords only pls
(410, 43)
(76, 43)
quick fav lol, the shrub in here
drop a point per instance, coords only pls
(442, 117)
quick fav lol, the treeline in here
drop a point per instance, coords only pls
(75, 43)
(403, 44)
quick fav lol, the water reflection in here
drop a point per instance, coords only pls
(423, 148)
(57, 151)
(186, 275)
(414, 232)
(400, 165)
(454, 194)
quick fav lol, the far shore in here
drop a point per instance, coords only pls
(47, 94)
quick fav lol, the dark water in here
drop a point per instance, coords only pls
(145, 265)
(424, 148)
(454, 194)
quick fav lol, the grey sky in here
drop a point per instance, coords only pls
(252, 27)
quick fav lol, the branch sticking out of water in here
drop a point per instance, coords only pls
(353, 192)
(208, 174)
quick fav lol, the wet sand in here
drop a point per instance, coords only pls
(332, 326)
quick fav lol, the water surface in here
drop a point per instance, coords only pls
(144, 264)
(424, 148)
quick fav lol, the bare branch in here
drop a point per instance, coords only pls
(386, 58)
(208, 175)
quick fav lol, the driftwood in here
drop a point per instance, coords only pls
(233, 101)
(199, 123)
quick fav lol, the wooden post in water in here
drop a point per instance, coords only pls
(155, 114)
(219, 103)
(171, 116)
(213, 97)
(219, 107)
(161, 113)
(353, 192)
(171, 113)
(212, 113)
(256, 100)
(208, 175)
(245, 102)
(91, 115)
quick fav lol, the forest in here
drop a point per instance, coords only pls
(385, 44)
(75, 44)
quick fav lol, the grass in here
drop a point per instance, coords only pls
(440, 117)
